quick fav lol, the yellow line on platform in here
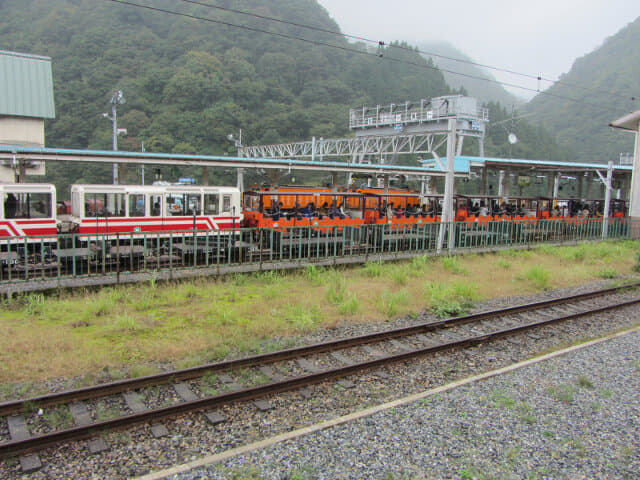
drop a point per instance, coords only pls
(220, 457)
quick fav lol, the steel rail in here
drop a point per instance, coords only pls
(81, 432)
(96, 391)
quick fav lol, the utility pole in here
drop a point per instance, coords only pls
(238, 144)
(116, 98)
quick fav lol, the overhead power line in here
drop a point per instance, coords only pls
(357, 51)
(538, 78)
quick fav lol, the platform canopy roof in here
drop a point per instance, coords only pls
(465, 163)
(26, 85)
(628, 122)
(110, 156)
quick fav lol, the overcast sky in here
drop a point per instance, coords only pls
(540, 37)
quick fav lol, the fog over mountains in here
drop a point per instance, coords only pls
(486, 91)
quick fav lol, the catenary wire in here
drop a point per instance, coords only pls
(361, 52)
(407, 48)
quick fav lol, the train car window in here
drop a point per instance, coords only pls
(10, 206)
(39, 205)
(27, 205)
(211, 203)
(104, 204)
(175, 204)
(136, 205)
(252, 203)
(226, 203)
(155, 201)
(193, 204)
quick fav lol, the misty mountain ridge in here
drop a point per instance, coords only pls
(485, 91)
(609, 78)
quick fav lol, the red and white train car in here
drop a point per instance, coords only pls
(136, 209)
(27, 211)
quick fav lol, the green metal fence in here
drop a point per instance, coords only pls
(77, 257)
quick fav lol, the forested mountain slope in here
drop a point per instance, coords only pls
(188, 83)
(611, 76)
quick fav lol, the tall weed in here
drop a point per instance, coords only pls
(303, 317)
(336, 290)
(452, 264)
(34, 304)
(448, 300)
(607, 273)
(126, 323)
(373, 269)
(391, 303)
(419, 264)
(502, 263)
(314, 275)
(350, 305)
(400, 276)
(539, 277)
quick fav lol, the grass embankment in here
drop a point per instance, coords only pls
(124, 329)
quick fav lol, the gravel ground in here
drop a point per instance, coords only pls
(136, 452)
(575, 416)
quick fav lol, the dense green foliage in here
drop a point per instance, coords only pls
(610, 75)
(189, 83)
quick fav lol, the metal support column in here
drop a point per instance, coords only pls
(607, 200)
(483, 186)
(501, 184)
(556, 185)
(634, 207)
(114, 138)
(447, 209)
(240, 181)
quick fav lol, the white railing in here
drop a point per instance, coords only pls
(357, 119)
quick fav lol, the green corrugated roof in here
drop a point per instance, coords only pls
(26, 85)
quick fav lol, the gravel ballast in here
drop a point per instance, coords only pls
(574, 416)
(191, 437)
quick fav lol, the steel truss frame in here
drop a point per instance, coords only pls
(356, 148)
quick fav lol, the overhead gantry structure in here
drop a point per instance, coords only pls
(383, 133)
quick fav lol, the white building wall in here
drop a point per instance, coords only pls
(24, 132)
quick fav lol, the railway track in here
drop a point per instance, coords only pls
(198, 388)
